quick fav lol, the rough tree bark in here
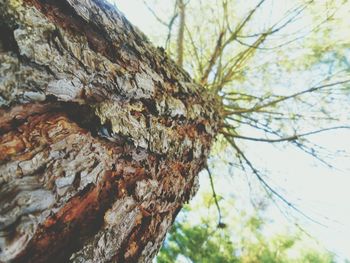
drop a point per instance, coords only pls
(101, 135)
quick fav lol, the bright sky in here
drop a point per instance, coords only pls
(320, 192)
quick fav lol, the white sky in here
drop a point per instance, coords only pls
(322, 193)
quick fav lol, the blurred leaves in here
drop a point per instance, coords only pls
(242, 240)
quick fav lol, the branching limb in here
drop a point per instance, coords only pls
(221, 43)
(195, 50)
(310, 150)
(155, 14)
(162, 22)
(269, 190)
(284, 98)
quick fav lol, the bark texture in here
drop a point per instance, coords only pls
(101, 135)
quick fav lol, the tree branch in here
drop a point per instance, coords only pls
(289, 138)
(220, 45)
(284, 98)
(266, 186)
(220, 223)
(180, 35)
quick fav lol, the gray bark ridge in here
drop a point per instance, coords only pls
(102, 136)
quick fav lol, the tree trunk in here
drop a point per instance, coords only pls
(102, 136)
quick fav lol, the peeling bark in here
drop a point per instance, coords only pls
(102, 136)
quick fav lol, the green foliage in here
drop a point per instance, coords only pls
(242, 240)
(198, 243)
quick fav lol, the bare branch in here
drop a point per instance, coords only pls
(289, 138)
(180, 35)
(170, 26)
(234, 34)
(301, 146)
(239, 60)
(195, 49)
(155, 14)
(266, 186)
(220, 45)
(162, 22)
(220, 223)
(213, 58)
(284, 98)
(275, 28)
(312, 152)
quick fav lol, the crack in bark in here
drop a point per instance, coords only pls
(7, 39)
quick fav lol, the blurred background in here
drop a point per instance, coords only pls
(277, 184)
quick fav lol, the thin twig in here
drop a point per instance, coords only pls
(289, 138)
(220, 223)
(266, 186)
(284, 98)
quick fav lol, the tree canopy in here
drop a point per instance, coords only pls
(281, 69)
